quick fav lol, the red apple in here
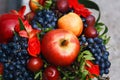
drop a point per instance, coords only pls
(34, 64)
(8, 21)
(60, 47)
(51, 73)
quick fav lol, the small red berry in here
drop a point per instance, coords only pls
(42, 2)
(34, 64)
(51, 73)
(90, 32)
(62, 5)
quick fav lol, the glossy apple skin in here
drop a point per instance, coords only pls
(58, 52)
(7, 24)
(90, 32)
(1, 68)
(51, 73)
(34, 64)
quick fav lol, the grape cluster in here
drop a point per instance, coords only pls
(14, 56)
(98, 49)
(46, 18)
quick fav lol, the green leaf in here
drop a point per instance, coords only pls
(87, 52)
(89, 57)
(39, 74)
(1, 77)
(92, 5)
(84, 74)
(99, 27)
(48, 4)
(105, 38)
(106, 30)
(82, 65)
(80, 57)
(102, 30)
(39, 25)
(21, 24)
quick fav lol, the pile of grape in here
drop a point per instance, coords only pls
(95, 45)
(46, 18)
(14, 55)
(99, 51)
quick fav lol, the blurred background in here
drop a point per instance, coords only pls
(110, 15)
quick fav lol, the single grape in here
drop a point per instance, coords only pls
(106, 71)
(62, 5)
(90, 20)
(90, 32)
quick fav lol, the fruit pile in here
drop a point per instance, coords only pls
(56, 40)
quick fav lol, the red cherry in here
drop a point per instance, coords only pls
(90, 20)
(51, 73)
(42, 2)
(62, 5)
(34, 64)
(90, 32)
(1, 68)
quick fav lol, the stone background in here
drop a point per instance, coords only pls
(110, 11)
(110, 16)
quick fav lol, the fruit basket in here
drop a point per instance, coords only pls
(56, 40)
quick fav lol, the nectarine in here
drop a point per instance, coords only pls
(71, 22)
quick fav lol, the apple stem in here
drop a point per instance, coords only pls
(64, 43)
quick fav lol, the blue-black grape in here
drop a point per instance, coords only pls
(14, 56)
(46, 18)
(99, 51)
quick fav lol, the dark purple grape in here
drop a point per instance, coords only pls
(90, 40)
(102, 72)
(106, 53)
(108, 64)
(106, 71)
(105, 57)
(102, 65)
(14, 57)
(90, 20)
(90, 32)
(62, 5)
(98, 40)
(44, 19)
(98, 58)
(96, 62)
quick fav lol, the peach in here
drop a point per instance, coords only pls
(71, 22)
